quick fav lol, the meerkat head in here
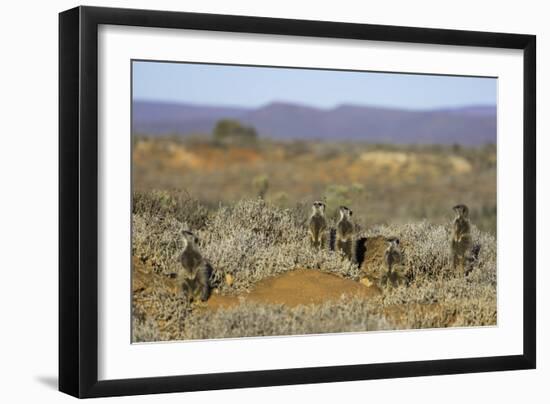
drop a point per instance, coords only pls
(345, 213)
(393, 242)
(189, 239)
(318, 207)
(461, 210)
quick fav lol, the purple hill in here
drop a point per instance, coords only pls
(469, 125)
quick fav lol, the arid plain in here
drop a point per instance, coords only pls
(249, 205)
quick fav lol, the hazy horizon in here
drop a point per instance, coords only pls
(299, 104)
(253, 87)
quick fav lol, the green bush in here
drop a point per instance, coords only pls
(230, 131)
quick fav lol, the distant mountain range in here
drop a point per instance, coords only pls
(470, 125)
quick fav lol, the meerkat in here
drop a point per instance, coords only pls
(392, 257)
(461, 239)
(318, 225)
(194, 277)
(344, 232)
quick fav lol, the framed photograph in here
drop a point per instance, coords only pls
(251, 201)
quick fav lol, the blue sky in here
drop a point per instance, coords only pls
(255, 86)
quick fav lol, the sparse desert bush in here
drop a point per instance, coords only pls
(253, 239)
(250, 320)
(427, 307)
(158, 313)
(250, 241)
(437, 296)
(157, 240)
(175, 204)
(426, 250)
(145, 330)
(158, 219)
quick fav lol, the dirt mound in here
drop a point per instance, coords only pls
(299, 287)
(373, 261)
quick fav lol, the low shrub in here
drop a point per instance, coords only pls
(251, 320)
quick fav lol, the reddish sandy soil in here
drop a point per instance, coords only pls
(302, 286)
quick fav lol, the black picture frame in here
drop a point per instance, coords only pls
(78, 201)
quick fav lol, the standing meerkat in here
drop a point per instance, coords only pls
(392, 258)
(194, 277)
(318, 225)
(461, 239)
(392, 255)
(344, 232)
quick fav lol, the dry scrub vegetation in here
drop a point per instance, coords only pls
(253, 239)
(382, 183)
